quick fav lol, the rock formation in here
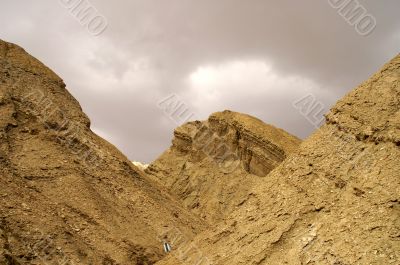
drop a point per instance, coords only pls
(66, 195)
(230, 190)
(212, 165)
(334, 201)
(140, 165)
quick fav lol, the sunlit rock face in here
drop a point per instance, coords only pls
(140, 165)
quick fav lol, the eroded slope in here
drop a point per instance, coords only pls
(66, 195)
(335, 201)
(213, 164)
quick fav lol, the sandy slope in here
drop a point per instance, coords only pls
(230, 190)
(65, 193)
(335, 201)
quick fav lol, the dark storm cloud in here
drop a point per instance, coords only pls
(251, 56)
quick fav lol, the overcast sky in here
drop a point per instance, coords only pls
(256, 57)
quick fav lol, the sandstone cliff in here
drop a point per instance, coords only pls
(66, 195)
(334, 201)
(212, 165)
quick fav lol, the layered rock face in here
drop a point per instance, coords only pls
(230, 190)
(212, 165)
(334, 201)
(66, 195)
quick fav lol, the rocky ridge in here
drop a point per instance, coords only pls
(67, 195)
(230, 190)
(212, 164)
(334, 201)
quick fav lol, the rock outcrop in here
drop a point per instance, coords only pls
(230, 190)
(140, 165)
(66, 195)
(334, 201)
(212, 164)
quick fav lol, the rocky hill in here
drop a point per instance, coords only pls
(230, 190)
(66, 195)
(334, 201)
(212, 165)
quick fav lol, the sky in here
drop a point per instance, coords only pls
(124, 60)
